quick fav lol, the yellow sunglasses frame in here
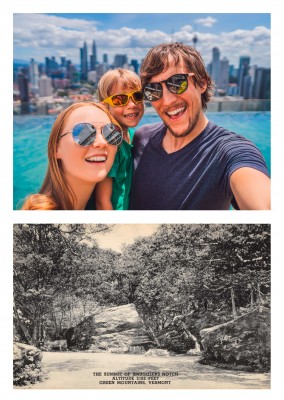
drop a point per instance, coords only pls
(109, 101)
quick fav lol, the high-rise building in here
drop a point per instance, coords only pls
(243, 71)
(93, 58)
(224, 74)
(135, 65)
(34, 75)
(215, 73)
(23, 83)
(84, 62)
(120, 60)
(105, 58)
(45, 86)
(262, 83)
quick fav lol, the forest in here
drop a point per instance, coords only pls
(182, 279)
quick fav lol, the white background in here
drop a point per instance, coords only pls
(8, 217)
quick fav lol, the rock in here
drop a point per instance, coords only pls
(193, 352)
(157, 353)
(243, 343)
(117, 319)
(26, 364)
(114, 330)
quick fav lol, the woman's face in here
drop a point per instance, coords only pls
(92, 163)
(129, 115)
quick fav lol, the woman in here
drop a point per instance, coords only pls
(81, 150)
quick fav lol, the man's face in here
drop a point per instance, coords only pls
(182, 113)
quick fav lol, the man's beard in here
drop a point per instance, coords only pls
(190, 128)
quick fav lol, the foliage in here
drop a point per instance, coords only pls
(203, 274)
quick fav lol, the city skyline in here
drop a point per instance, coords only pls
(40, 35)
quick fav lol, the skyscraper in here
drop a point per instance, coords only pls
(216, 66)
(23, 83)
(93, 57)
(84, 62)
(120, 60)
(45, 86)
(243, 72)
(34, 75)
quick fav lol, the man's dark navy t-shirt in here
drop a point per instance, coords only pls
(196, 177)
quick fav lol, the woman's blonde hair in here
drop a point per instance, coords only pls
(55, 193)
(127, 78)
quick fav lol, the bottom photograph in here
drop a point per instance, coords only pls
(141, 306)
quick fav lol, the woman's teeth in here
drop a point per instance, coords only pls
(96, 159)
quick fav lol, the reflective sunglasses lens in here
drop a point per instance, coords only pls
(153, 91)
(177, 83)
(112, 134)
(119, 100)
(84, 134)
(138, 96)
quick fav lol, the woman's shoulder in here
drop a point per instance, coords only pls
(39, 202)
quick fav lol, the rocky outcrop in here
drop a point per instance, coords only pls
(157, 353)
(116, 330)
(26, 364)
(243, 343)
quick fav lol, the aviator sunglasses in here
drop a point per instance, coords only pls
(122, 99)
(85, 134)
(176, 84)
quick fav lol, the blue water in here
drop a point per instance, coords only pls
(31, 136)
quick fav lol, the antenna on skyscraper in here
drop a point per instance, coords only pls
(195, 38)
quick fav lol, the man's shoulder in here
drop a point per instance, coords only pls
(150, 130)
(224, 135)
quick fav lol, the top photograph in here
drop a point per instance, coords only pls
(141, 111)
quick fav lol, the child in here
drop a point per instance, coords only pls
(120, 91)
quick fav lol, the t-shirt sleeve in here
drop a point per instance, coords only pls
(239, 153)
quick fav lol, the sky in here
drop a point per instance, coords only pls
(45, 35)
(124, 234)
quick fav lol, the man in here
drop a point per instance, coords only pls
(186, 162)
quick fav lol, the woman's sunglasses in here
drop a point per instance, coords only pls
(85, 134)
(176, 84)
(121, 100)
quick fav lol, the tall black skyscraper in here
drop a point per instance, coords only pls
(84, 62)
(93, 57)
(243, 72)
(23, 83)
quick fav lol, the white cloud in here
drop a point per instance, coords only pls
(40, 35)
(208, 22)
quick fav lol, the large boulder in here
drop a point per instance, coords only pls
(26, 364)
(115, 329)
(242, 344)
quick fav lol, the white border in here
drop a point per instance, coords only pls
(8, 217)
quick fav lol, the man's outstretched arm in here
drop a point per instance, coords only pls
(251, 189)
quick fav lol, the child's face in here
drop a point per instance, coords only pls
(129, 115)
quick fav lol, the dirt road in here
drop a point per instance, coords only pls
(66, 370)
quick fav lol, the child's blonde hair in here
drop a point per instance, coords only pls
(127, 78)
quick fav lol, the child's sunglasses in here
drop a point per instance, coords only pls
(176, 84)
(121, 100)
(85, 134)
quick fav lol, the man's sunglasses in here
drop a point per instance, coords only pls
(85, 134)
(121, 100)
(176, 84)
